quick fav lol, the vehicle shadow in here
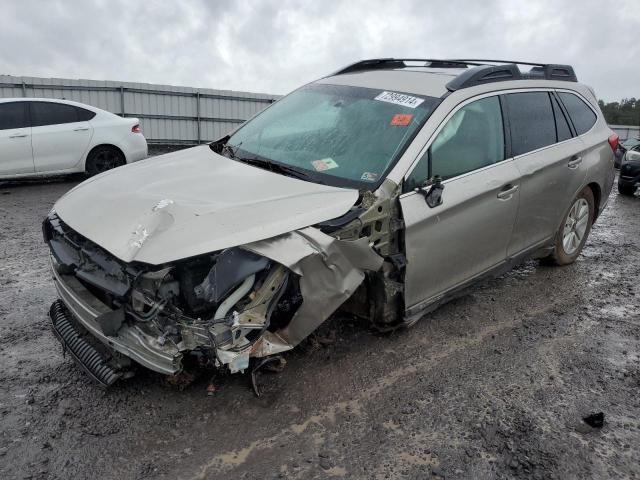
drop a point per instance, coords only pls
(74, 177)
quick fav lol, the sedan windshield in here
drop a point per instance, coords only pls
(333, 134)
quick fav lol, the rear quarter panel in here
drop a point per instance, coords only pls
(113, 130)
(598, 156)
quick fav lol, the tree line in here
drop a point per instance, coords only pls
(624, 112)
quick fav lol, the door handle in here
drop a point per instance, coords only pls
(507, 191)
(18, 135)
(575, 161)
(81, 129)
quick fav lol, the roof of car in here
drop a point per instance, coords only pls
(432, 84)
(438, 78)
(36, 99)
(54, 100)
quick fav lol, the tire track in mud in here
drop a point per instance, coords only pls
(235, 458)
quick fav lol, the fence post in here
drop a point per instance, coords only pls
(198, 116)
(24, 89)
(121, 101)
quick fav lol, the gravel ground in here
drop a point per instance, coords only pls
(492, 385)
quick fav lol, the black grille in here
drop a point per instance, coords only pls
(85, 354)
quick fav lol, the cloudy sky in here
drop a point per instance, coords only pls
(274, 46)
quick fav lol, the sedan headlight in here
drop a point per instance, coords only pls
(633, 156)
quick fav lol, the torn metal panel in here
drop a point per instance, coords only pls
(270, 343)
(330, 271)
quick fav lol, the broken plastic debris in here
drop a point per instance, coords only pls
(595, 420)
(211, 389)
(273, 364)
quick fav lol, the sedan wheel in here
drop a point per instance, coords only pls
(102, 159)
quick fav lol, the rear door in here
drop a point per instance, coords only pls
(548, 156)
(16, 155)
(60, 136)
(468, 233)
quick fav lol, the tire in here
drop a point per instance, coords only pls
(626, 189)
(103, 158)
(569, 242)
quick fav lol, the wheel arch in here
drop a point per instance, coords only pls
(597, 197)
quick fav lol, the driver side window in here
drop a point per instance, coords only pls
(471, 139)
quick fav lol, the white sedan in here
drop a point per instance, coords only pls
(49, 137)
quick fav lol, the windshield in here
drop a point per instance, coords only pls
(631, 142)
(333, 134)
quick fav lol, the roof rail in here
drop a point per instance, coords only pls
(510, 71)
(393, 63)
(550, 71)
(481, 71)
(484, 74)
(484, 62)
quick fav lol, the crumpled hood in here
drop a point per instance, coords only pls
(192, 202)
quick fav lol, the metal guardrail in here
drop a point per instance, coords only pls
(626, 131)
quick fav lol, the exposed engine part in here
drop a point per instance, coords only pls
(250, 322)
(231, 267)
(235, 297)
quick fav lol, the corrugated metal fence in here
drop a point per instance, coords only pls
(168, 115)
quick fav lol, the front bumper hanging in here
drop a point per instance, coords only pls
(85, 354)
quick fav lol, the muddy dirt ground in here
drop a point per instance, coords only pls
(492, 385)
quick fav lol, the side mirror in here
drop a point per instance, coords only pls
(432, 191)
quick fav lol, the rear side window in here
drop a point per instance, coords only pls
(581, 115)
(531, 121)
(563, 132)
(84, 115)
(13, 115)
(45, 113)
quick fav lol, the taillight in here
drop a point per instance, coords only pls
(614, 139)
(137, 129)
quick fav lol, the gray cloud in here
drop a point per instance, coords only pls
(274, 46)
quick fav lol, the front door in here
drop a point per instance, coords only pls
(15, 139)
(468, 233)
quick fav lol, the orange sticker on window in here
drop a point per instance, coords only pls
(401, 119)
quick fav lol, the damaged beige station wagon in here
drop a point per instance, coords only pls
(381, 190)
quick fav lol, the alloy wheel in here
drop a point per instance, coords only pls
(575, 226)
(106, 160)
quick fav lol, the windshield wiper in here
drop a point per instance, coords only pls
(276, 167)
(222, 147)
(229, 149)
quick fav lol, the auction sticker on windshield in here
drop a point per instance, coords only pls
(401, 119)
(399, 99)
(324, 164)
(369, 176)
